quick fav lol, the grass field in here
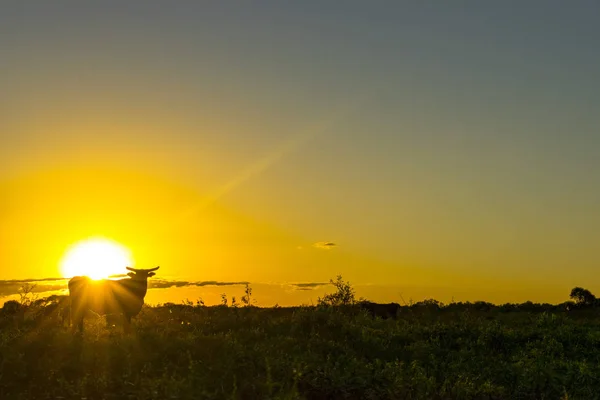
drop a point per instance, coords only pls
(458, 351)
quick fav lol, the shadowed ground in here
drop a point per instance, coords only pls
(462, 351)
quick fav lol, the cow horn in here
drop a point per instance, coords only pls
(142, 270)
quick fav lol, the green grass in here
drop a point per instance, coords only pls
(187, 352)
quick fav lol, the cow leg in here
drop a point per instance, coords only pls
(77, 318)
(65, 316)
(126, 323)
(77, 314)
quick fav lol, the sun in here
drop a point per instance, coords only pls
(97, 258)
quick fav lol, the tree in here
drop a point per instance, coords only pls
(247, 297)
(583, 296)
(224, 299)
(343, 296)
(11, 307)
(26, 295)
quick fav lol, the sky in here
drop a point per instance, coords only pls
(446, 147)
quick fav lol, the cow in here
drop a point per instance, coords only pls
(123, 297)
(384, 311)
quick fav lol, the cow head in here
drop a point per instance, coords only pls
(141, 274)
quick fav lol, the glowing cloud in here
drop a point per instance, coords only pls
(325, 245)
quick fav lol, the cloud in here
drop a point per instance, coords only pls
(325, 245)
(12, 287)
(215, 283)
(22, 281)
(308, 286)
(164, 284)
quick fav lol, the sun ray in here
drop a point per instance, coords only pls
(291, 144)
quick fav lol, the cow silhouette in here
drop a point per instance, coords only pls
(123, 297)
(389, 310)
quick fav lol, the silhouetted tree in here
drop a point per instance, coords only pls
(247, 297)
(224, 301)
(583, 297)
(11, 307)
(26, 294)
(343, 296)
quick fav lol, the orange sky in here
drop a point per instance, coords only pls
(194, 238)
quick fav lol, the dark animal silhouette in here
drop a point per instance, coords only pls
(124, 297)
(384, 311)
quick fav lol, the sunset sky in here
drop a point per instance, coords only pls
(448, 147)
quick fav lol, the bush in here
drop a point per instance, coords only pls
(583, 297)
(343, 296)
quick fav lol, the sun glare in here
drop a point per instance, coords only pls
(97, 258)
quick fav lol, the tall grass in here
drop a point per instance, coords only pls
(431, 351)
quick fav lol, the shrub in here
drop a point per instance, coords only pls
(583, 297)
(343, 296)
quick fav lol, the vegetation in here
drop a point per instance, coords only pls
(583, 297)
(331, 351)
(344, 294)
